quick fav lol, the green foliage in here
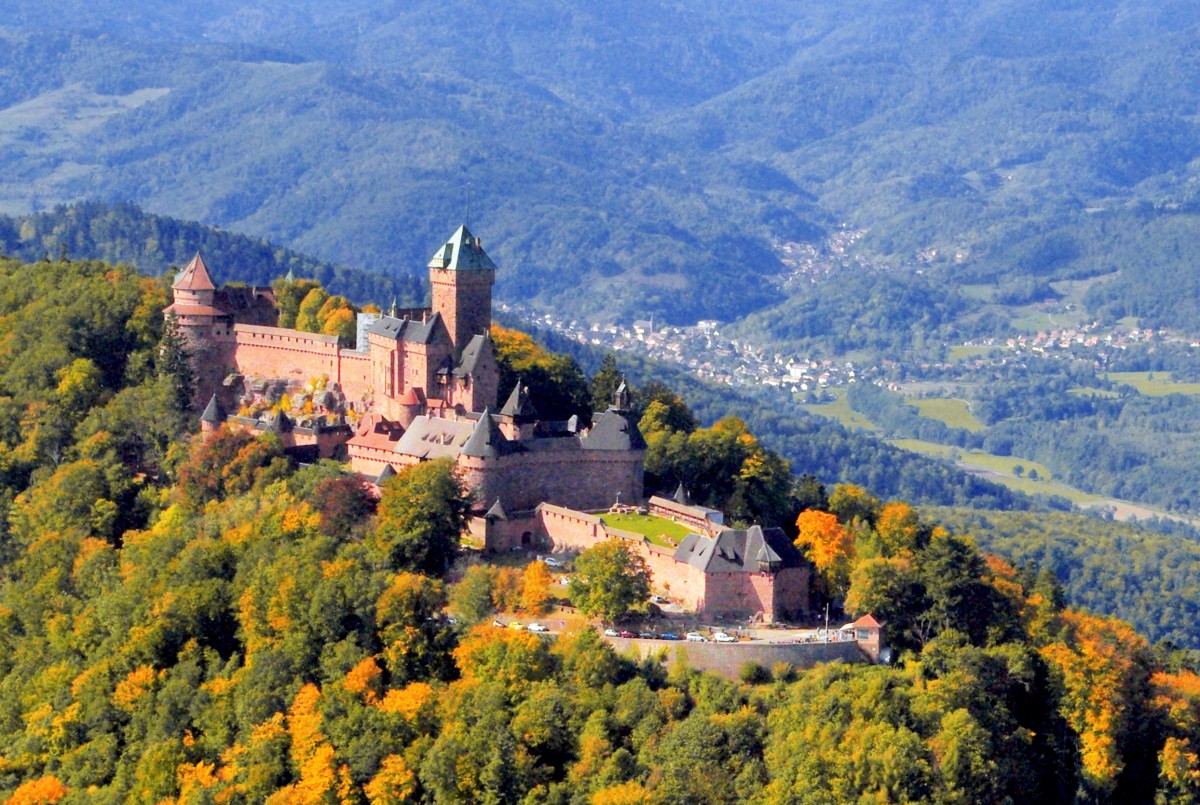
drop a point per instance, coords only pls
(609, 581)
(422, 513)
(556, 384)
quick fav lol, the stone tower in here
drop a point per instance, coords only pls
(461, 276)
(193, 296)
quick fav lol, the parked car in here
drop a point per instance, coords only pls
(627, 634)
(648, 636)
(722, 637)
(668, 636)
(515, 625)
(611, 633)
(552, 562)
(657, 599)
(536, 627)
(696, 637)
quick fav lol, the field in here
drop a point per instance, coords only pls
(1153, 384)
(953, 411)
(840, 410)
(651, 527)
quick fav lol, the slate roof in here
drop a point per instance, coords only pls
(411, 330)
(519, 405)
(194, 276)
(486, 440)
(613, 430)
(463, 252)
(470, 355)
(213, 412)
(434, 437)
(384, 474)
(739, 551)
(682, 497)
(496, 512)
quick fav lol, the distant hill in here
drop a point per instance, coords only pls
(628, 159)
(123, 233)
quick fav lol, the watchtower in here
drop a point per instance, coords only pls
(461, 277)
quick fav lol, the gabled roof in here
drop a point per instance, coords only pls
(434, 437)
(519, 404)
(463, 252)
(486, 440)
(411, 330)
(739, 551)
(213, 412)
(867, 622)
(194, 276)
(613, 430)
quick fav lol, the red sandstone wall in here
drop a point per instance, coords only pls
(792, 592)
(276, 352)
(355, 373)
(577, 479)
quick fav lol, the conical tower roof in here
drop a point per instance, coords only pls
(194, 277)
(213, 412)
(486, 440)
(682, 497)
(496, 512)
(519, 405)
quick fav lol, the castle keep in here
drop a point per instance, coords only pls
(422, 384)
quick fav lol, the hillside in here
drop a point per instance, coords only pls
(656, 158)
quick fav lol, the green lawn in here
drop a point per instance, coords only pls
(953, 411)
(1154, 384)
(962, 352)
(651, 527)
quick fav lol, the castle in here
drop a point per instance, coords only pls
(423, 384)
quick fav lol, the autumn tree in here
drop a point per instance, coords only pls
(609, 581)
(829, 546)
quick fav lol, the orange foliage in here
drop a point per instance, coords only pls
(194, 777)
(364, 679)
(393, 784)
(502, 655)
(408, 702)
(1100, 666)
(828, 544)
(535, 589)
(133, 687)
(42, 791)
(898, 528)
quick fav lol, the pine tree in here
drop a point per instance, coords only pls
(174, 362)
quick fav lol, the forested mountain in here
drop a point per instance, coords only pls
(650, 154)
(191, 621)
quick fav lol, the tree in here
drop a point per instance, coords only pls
(422, 513)
(829, 546)
(471, 598)
(609, 581)
(535, 589)
(605, 382)
(175, 363)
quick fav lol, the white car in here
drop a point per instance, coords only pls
(611, 633)
(536, 627)
(720, 637)
(696, 637)
(552, 562)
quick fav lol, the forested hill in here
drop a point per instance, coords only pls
(652, 155)
(123, 233)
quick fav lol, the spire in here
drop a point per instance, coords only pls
(682, 497)
(463, 252)
(213, 412)
(394, 310)
(486, 440)
(194, 277)
(290, 276)
(621, 397)
(519, 405)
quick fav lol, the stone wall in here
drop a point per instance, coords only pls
(290, 354)
(728, 659)
(565, 476)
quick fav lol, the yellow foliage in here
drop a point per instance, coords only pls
(88, 547)
(393, 784)
(629, 793)
(364, 680)
(42, 791)
(220, 686)
(278, 606)
(828, 544)
(194, 777)
(304, 725)
(408, 702)
(134, 686)
(535, 589)
(317, 777)
(331, 570)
